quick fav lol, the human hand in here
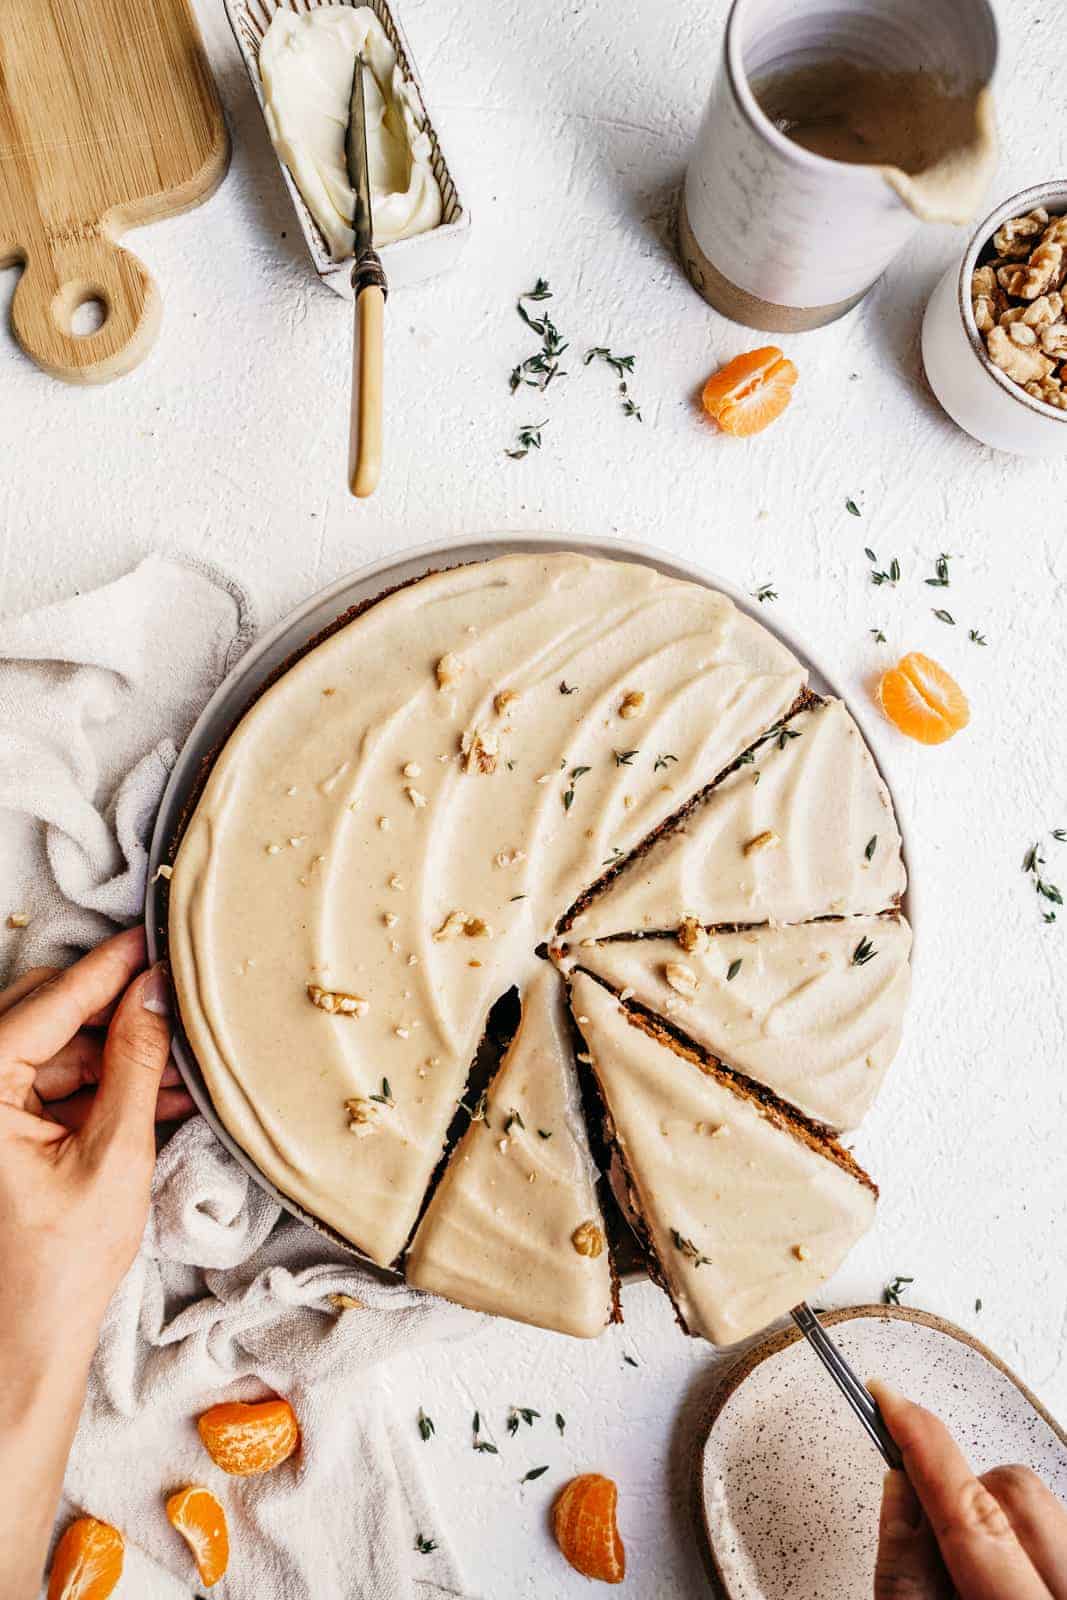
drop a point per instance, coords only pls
(83, 1054)
(945, 1533)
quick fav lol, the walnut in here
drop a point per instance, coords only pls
(363, 1116)
(19, 919)
(336, 1002)
(985, 313)
(1023, 335)
(504, 700)
(1015, 239)
(588, 1239)
(801, 1252)
(346, 1302)
(768, 839)
(632, 704)
(1050, 390)
(1024, 366)
(416, 796)
(481, 751)
(1054, 340)
(449, 670)
(411, 769)
(1042, 272)
(984, 282)
(1041, 313)
(682, 979)
(691, 936)
(459, 924)
(1056, 232)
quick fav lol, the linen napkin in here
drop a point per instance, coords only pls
(227, 1298)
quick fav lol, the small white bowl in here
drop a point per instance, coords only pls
(984, 401)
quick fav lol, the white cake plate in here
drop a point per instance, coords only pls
(237, 692)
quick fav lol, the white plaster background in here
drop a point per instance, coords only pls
(568, 125)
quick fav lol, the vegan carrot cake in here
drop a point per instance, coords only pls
(401, 825)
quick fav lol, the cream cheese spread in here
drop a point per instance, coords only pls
(306, 62)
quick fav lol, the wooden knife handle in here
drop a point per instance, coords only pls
(365, 455)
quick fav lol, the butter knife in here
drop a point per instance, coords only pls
(370, 289)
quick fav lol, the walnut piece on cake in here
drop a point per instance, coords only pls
(767, 840)
(692, 936)
(682, 979)
(480, 748)
(337, 1002)
(459, 924)
(632, 704)
(449, 670)
(588, 1239)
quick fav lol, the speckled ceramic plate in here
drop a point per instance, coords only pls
(788, 1486)
(275, 647)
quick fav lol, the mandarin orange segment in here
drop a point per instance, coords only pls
(750, 391)
(87, 1564)
(583, 1520)
(201, 1521)
(245, 1439)
(922, 700)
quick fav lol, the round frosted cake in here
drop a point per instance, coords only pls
(612, 792)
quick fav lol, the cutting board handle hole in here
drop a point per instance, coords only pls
(80, 310)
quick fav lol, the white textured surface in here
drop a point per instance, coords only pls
(569, 128)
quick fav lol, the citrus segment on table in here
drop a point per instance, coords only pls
(201, 1521)
(245, 1439)
(87, 1564)
(922, 700)
(583, 1520)
(747, 394)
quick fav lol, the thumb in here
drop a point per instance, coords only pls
(135, 1054)
(909, 1565)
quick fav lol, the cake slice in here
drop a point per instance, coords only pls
(514, 1226)
(813, 1011)
(803, 827)
(746, 1210)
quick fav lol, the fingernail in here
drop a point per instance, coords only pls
(155, 991)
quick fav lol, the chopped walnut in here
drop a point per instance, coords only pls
(19, 919)
(509, 858)
(449, 670)
(588, 1239)
(1015, 239)
(1024, 365)
(1044, 311)
(1022, 334)
(801, 1252)
(985, 313)
(1050, 390)
(682, 979)
(346, 1302)
(411, 769)
(691, 936)
(767, 840)
(503, 701)
(363, 1116)
(984, 282)
(336, 1002)
(416, 796)
(1056, 232)
(481, 750)
(1054, 340)
(459, 924)
(632, 704)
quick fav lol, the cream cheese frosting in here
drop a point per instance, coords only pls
(745, 1216)
(804, 829)
(396, 824)
(790, 1007)
(306, 62)
(515, 1227)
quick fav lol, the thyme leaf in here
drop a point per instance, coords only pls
(567, 688)
(892, 1292)
(878, 636)
(625, 758)
(664, 761)
(386, 1096)
(733, 969)
(852, 508)
(561, 1422)
(766, 591)
(872, 845)
(863, 953)
(977, 638)
(945, 616)
(534, 1472)
(424, 1545)
(687, 1248)
(940, 580)
(527, 439)
(426, 1426)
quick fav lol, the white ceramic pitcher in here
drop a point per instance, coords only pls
(778, 237)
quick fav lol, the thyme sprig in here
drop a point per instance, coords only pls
(940, 579)
(385, 1098)
(687, 1248)
(623, 367)
(1033, 865)
(892, 1292)
(890, 574)
(519, 1414)
(766, 591)
(483, 1446)
(568, 793)
(528, 438)
(863, 953)
(977, 638)
(537, 371)
(423, 1545)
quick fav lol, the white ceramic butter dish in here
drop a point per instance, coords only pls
(984, 401)
(406, 261)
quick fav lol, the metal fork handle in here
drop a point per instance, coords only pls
(855, 1392)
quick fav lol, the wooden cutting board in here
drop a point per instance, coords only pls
(787, 1485)
(109, 117)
